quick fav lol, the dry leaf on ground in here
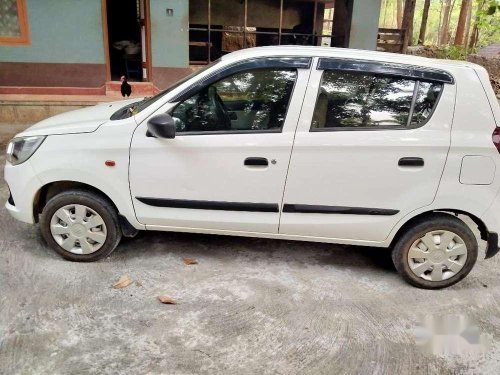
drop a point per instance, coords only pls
(167, 300)
(190, 261)
(123, 282)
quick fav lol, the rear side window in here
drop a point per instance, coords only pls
(348, 100)
(426, 99)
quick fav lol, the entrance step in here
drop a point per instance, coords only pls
(138, 88)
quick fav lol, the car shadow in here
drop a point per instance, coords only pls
(227, 248)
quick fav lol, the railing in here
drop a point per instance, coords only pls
(391, 40)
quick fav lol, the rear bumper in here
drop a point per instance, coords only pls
(493, 248)
(491, 219)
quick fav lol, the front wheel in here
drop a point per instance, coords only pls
(436, 252)
(80, 226)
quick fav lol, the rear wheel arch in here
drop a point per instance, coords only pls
(483, 230)
(438, 251)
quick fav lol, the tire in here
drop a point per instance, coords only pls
(90, 244)
(462, 251)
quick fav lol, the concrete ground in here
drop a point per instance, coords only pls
(250, 306)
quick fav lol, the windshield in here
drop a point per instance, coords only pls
(134, 108)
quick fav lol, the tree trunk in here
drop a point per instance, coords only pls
(467, 25)
(407, 21)
(443, 33)
(475, 30)
(384, 22)
(399, 13)
(423, 25)
(462, 20)
(440, 23)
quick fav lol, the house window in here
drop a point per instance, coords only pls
(218, 27)
(13, 22)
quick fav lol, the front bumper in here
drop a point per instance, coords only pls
(23, 185)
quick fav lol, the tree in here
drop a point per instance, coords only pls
(462, 20)
(423, 25)
(475, 29)
(408, 14)
(467, 25)
(399, 13)
(443, 32)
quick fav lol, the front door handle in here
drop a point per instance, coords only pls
(256, 162)
(411, 162)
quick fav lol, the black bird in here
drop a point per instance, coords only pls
(125, 88)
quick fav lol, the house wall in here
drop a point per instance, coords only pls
(169, 41)
(66, 46)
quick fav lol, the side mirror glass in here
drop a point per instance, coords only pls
(162, 126)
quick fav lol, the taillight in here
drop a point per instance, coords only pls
(496, 138)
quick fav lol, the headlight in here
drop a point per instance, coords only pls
(20, 149)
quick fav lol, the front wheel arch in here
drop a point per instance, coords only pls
(46, 192)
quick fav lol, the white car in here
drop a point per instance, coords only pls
(296, 143)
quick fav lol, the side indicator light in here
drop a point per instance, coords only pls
(110, 163)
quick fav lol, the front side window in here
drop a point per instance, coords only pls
(366, 100)
(253, 100)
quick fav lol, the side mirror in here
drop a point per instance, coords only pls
(161, 126)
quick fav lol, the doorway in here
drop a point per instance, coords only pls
(128, 39)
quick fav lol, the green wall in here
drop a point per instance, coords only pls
(61, 31)
(170, 34)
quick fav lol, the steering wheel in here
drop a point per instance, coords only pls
(219, 108)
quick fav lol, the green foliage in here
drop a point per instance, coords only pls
(489, 24)
(488, 20)
(452, 52)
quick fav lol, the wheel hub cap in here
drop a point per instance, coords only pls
(437, 256)
(78, 229)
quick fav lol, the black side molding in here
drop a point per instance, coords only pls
(314, 209)
(392, 69)
(210, 205)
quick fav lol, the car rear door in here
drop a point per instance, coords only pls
(225, 170)
(370, 147)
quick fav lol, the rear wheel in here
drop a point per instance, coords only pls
(80, 225)
(435, 253)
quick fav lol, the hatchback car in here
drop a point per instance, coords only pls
(296, 143)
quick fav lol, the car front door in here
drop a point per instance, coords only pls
(370, 147)
(225, 169)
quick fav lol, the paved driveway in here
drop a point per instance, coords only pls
(250, 306)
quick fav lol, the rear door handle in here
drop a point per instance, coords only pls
(411, 162)
(256, 162)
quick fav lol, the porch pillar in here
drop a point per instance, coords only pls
(364, 24)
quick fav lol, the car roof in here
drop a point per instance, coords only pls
(347, 53)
